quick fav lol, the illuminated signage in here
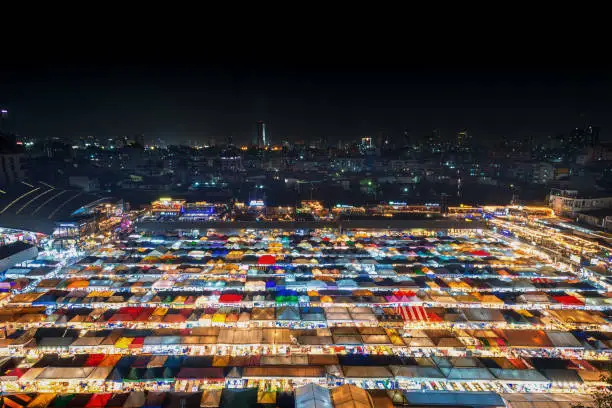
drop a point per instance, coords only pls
(256, 203)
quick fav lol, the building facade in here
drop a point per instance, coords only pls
(570, 203)
(10, 168)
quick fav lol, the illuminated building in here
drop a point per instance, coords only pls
(166, 206)
(261, 136)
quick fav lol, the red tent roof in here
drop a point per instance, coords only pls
(93, 360)
(480, 252)
(266, 260)
(230, 298)
(541, 280)
(408, 293)
(144, 316)
(417, 314)
(16, 372)
(98, 400)
(137, 342)
(567, 300)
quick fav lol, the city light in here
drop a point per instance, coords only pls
(425, 238)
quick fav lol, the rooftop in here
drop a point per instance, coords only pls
(12, 249)
(36, 206)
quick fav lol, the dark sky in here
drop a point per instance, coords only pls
(180, 101)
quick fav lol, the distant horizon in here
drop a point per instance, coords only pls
(181, 103)
(396, 139)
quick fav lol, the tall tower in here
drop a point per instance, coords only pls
(262, 137)
(3, 116)
(464, 139)
(406, 137)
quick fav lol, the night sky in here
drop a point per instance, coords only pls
(198, 101)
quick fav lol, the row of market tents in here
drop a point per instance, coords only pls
(325, 367)
(383, 279)
(336, 337)
(308, 396)
(314, 292)
(287, 313)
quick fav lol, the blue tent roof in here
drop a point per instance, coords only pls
(45, 300)
(288, 313)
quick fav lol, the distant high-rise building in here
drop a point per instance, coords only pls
(11, 156)
(324, 142)
(433, 142)
(3, 116)
(580, 138)
(464, 139)
(161, 144)
(120, 142)
(139, 139)
(406, 137)
(435, 135)
(10, 168)
(592, 135)
(262, 137)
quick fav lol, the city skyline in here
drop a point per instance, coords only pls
(179, 104)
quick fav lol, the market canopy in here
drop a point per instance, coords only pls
(266, 260)
(351, 396)
(454, 399)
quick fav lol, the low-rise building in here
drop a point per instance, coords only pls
(11, 170)
(570, 202)
(601, 218)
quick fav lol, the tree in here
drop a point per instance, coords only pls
(601, 398)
